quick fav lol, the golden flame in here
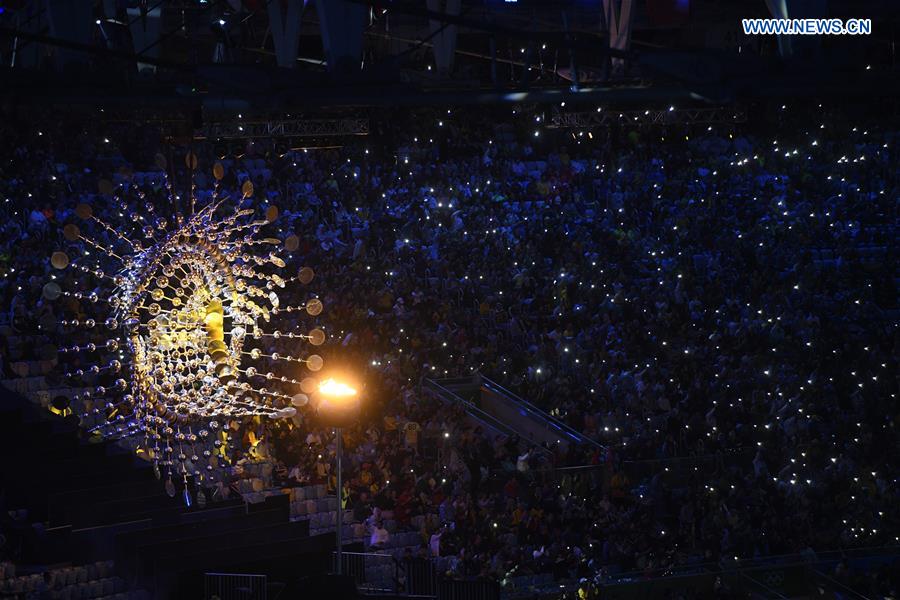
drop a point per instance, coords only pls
(336, 389)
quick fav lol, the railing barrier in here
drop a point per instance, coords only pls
(235, 586)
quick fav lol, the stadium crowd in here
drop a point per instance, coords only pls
(716, 305)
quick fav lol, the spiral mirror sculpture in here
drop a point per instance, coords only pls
(194, 325)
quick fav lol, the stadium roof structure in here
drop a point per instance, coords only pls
(292, 54)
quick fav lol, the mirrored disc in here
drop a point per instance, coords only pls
(314, 307)
(84, 211)
(59, 260)
(51, 291)
(309, 385)
(287, 412)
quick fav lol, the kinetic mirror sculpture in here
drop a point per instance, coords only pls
(193, 324)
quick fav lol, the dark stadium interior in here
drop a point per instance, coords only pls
(449, 299)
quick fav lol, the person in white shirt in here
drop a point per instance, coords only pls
(380, 536)
(522, 462)
(434, 544)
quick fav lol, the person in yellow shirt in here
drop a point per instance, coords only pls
(411, 435)
(519, 514)
(390, 423)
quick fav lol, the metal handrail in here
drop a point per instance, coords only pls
(486, 418)
(768, 590)
(231, 586)
(490, 420)
(844, 589)
(779, 560)
(382, 554)
(572, 433)
(394, 583)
